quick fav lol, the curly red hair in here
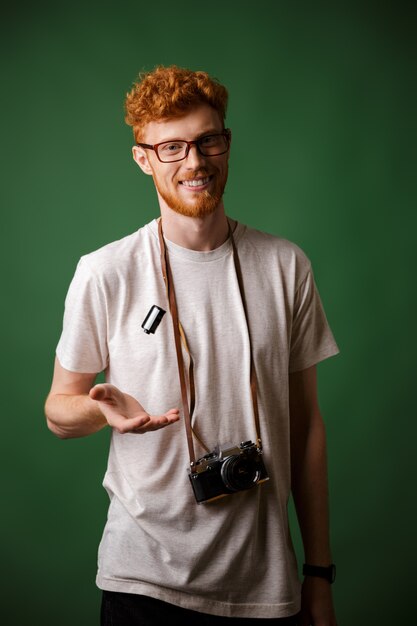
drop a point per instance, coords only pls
(168, 92)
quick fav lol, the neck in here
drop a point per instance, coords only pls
(196, 233)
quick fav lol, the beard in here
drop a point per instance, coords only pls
(203, 203)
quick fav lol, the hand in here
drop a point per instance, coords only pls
(125, 414)
(316, 603)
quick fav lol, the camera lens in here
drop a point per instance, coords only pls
(239, 472)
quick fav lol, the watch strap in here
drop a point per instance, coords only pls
(329, 573)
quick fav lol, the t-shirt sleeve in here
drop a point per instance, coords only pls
(83, 343)
(312, 340)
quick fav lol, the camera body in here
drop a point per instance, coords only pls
(221, 473)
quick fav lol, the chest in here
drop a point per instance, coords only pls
(211, 312)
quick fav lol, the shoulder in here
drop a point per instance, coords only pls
(276, 253)
(118, 258)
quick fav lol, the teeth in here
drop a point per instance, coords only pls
(196, 182)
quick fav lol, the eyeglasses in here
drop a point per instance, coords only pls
(178, 149)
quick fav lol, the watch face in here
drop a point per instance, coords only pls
(332, 573)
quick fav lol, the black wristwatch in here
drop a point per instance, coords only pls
(329, 573)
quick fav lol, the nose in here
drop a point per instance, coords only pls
(194, 158)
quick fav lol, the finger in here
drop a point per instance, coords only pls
(173, 414)
(157, 422)
(126, 425)
(167, 418)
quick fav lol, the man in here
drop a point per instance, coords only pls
(244, 306)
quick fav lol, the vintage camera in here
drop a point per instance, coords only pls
(224, 472)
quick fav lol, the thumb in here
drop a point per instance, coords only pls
(104, 393)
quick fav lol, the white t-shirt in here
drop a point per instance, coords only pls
(234, 556)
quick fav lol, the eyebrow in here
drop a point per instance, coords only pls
(209, 131)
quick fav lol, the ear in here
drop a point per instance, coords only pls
(230, 137)
(141, 158)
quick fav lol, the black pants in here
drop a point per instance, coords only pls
(125, 609)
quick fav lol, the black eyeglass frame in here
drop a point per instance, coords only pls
(227, 133)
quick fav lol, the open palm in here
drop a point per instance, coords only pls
(125, 414)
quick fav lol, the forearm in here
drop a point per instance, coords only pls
(310, 492)
(71, 416)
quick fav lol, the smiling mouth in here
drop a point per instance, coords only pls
(196, 182)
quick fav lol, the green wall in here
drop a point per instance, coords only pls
(322, 107)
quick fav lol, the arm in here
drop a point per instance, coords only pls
(74, 408)
(310, 492)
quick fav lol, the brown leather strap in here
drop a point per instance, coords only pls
(253, 380)
(180, 335)
(169, 283)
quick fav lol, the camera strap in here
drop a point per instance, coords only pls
(180, 337)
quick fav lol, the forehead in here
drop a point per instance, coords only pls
(197, 121)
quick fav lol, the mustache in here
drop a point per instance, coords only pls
(201, 173)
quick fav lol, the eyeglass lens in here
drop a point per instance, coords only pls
(211, 145)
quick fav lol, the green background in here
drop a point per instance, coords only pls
(323, 113)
